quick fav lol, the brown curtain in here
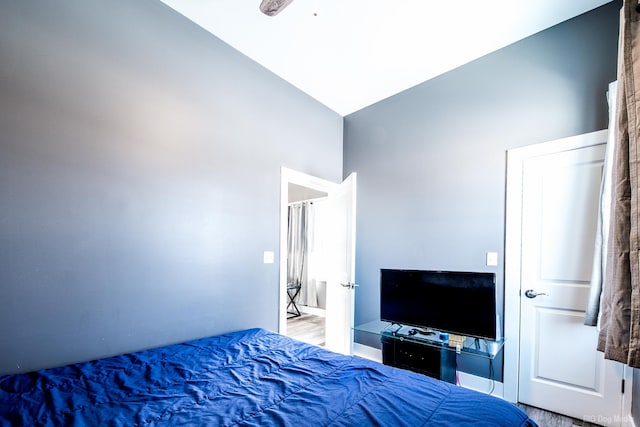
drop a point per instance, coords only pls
(619, 337)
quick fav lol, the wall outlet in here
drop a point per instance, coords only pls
(492, 259)
(269, 257)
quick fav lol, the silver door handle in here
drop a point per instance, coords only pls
(349, 285)
(530, 293)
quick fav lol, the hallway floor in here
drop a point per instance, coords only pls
(307, 328)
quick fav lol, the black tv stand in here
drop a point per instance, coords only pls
(437, 362)
(433, 354)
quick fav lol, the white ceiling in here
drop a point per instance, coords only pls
(349, 54)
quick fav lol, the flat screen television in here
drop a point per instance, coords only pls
(462, 303)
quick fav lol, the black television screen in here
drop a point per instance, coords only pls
(462, 303)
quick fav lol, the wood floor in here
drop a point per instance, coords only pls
(307, 328)
(310, 329)
(550, 419)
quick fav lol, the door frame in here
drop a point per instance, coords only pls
(512, 266)
(299, 178)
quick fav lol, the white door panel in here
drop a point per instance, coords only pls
(560, 210)
(559, 368)
(578, 371)
(340, 289)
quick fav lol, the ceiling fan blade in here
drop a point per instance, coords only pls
(273, 7)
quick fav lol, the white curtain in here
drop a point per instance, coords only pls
(602, 231)
(300, 257)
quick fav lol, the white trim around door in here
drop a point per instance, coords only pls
(516, 159)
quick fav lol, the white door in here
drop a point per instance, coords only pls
(559, 368)
(340, 246)
(340, 284)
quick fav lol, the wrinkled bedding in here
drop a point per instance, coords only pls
(246, 378)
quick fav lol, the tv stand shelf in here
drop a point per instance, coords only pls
(428, 354)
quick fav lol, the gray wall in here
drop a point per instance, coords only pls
(431, 160)
(139, 180)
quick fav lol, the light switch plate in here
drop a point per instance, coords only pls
(492, 259)
(269, 257)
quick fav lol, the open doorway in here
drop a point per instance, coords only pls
(306, 286)
(337, 241)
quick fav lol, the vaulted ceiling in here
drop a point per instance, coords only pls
(349, 54)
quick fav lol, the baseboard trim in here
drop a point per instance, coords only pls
(367, 352)
(483, 385)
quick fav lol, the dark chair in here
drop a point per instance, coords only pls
(293, 289)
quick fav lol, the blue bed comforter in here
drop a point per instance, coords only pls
(247, 378)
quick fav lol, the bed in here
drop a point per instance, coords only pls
(247, 378)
